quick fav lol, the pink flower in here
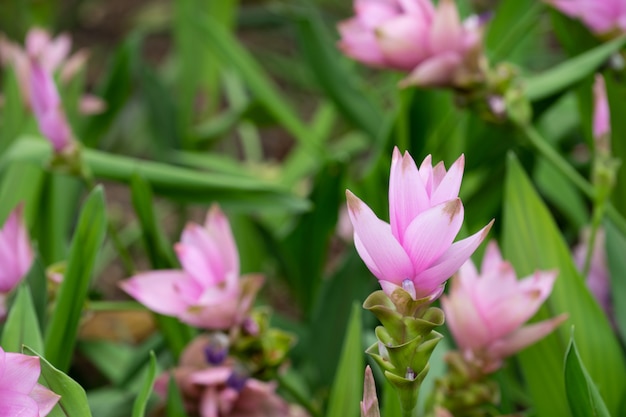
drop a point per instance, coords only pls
(601, 16)
(208, 292)
(16, 255)
(48, 109)
(415, 251)
(601, 112)
(369, 405)
(412, 36)
(52, 55)
(20, 394)
(224, 390)
(485, 313)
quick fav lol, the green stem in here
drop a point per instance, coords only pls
(566, 169)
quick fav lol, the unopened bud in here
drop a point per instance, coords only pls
(410, 374)
(237, 379)
(216, 350)
(408, 286)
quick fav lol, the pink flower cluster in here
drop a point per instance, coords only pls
(16, 255)
(485, 312)
(223, 390)
(431, 43)
(208, 291)
(416, 251)
(20, 394)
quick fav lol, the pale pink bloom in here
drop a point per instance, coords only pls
(601, 16)
(16, 255)
(48, 109)
(223, 390)
(486, 312)
(598, 279)
(414, 36)
(53, 54)
(415, 251)
(208, 292)
(601, 112)
(369, 405)
(20, 394)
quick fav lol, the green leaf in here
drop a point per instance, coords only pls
(174, 406)
(247, 194)
(139, 407)
(63, 326)
(582, 394)
(572, 71)
(73, 402)
(14, 116)
(334, 76)
(347, 389)
(614, 246)
(532, 241)
(229, 51)
(22, 326)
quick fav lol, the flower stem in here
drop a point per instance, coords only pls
(566, 169)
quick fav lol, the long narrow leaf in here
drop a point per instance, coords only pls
(22, 326)
(139, 407)
(61, 332)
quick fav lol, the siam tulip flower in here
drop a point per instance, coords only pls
(208, 291)
(223, 390)
(52, 55)
(369, 405)
(20, 394)
(415, 252)
(485, 313)
(16, 255)
(603, 17)
(48, 109)
(431, 44)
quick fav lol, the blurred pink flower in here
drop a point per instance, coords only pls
(415, 251)
(485, 313)
(414, 36)
(208, 292)
(223, 390)
(601, 16)
(16, 255)
(598, 279)
(20, 394)
(52, 55)
(369, 405)
(48, 109)
(601, 112)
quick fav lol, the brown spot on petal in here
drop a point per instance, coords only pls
(452, 208)
(354, 204)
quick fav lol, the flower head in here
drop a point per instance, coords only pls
(224, 390)
(52, 54)
(486, 312)
(601, 16)
(414, 36)
(416, 251)
(20, 394)
(16, 255)
(208, 292)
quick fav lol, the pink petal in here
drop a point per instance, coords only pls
(73, 65)
(16, 254)
(448, 187)
(17, 405)
(407, 195)
(371, 13)
(492, 259)
(426, 173)
(447, 33)
(56, 52)
(524, 337)
(211, 376)
(403, 41)
(37, 40)
(90, 104)
(451, 260)
(422, 7)
(45, 399)
(360, 43)
(196, 264)
(209, 403)
(601, 113)
(160, 291)
(21, 373)
(432, 233)
(437, 71)
(217, 223)
(382, 249)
